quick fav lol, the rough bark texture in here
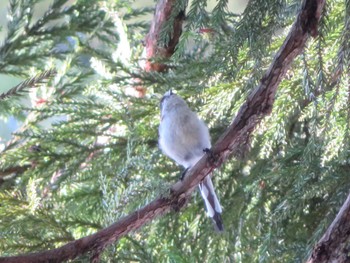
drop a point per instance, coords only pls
(258, 105)
(333, 246)
(164, 12)
(155, 52)
(96, 242)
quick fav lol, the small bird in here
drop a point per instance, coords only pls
(184, 137)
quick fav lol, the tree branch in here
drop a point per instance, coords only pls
(34, 81)
(165, 13)
(15, 169)
(332, 246)
(258, 104)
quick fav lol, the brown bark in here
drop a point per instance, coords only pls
(164, 12)
(258, 104)
(157, 53)
(332, 247)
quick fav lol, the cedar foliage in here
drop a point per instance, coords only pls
(88, 154)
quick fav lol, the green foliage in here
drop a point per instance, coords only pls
(87, 152)
(15, 91)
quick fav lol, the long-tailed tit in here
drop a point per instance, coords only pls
(184, 137)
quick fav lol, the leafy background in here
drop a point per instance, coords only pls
(86, 152)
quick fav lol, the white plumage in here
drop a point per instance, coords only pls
(183, 137)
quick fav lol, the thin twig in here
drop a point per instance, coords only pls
(29, 83)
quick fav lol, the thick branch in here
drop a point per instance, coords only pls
(96, 242)
(332, 246)
(156, 52)
(165, 12)
(258, 105)
(260, 101)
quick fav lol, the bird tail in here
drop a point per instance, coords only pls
(212, 204)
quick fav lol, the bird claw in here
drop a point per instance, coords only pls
(211, 156)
